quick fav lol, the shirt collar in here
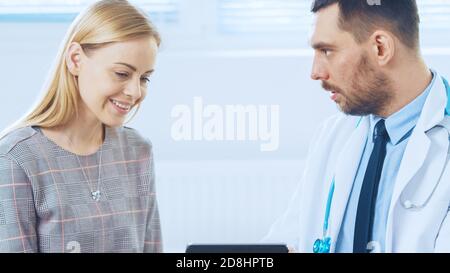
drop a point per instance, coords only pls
(400, 124)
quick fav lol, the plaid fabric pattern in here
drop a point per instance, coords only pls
(46, 203)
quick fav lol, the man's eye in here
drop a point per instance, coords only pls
(326, 51)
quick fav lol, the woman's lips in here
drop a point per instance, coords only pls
(120, 110)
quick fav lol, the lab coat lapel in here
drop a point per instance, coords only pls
(418, 147)
(346, 167)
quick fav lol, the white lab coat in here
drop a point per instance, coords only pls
(423, 180)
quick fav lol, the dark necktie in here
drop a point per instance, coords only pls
(369, 190)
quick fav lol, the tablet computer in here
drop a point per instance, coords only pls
(237, 248)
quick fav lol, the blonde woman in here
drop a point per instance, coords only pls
(72, 177)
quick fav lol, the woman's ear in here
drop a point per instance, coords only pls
(73, 58)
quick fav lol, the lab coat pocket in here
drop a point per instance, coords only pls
(423, 185)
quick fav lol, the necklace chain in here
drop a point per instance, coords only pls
(95, 194)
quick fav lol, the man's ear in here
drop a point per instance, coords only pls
(383, 46)
(73, 58)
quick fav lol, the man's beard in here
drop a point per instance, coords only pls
(370, 91)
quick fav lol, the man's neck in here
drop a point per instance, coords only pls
(407, 84)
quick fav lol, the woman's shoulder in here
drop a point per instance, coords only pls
(132, 137)
(16, 138)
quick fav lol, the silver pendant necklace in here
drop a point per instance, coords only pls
(95, 194)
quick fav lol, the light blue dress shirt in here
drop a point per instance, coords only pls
(399, 127)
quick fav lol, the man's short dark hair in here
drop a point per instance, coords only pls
(362, 17)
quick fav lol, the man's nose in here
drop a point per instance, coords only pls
(318, 71)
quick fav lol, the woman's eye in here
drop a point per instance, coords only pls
(121, 75)
(145, 79)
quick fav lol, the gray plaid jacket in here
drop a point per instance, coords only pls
(46, 203)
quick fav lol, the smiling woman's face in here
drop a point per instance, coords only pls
(113, 79)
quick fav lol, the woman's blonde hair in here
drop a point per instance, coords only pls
(104, 22)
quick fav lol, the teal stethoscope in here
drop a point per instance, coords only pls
(324, 245)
